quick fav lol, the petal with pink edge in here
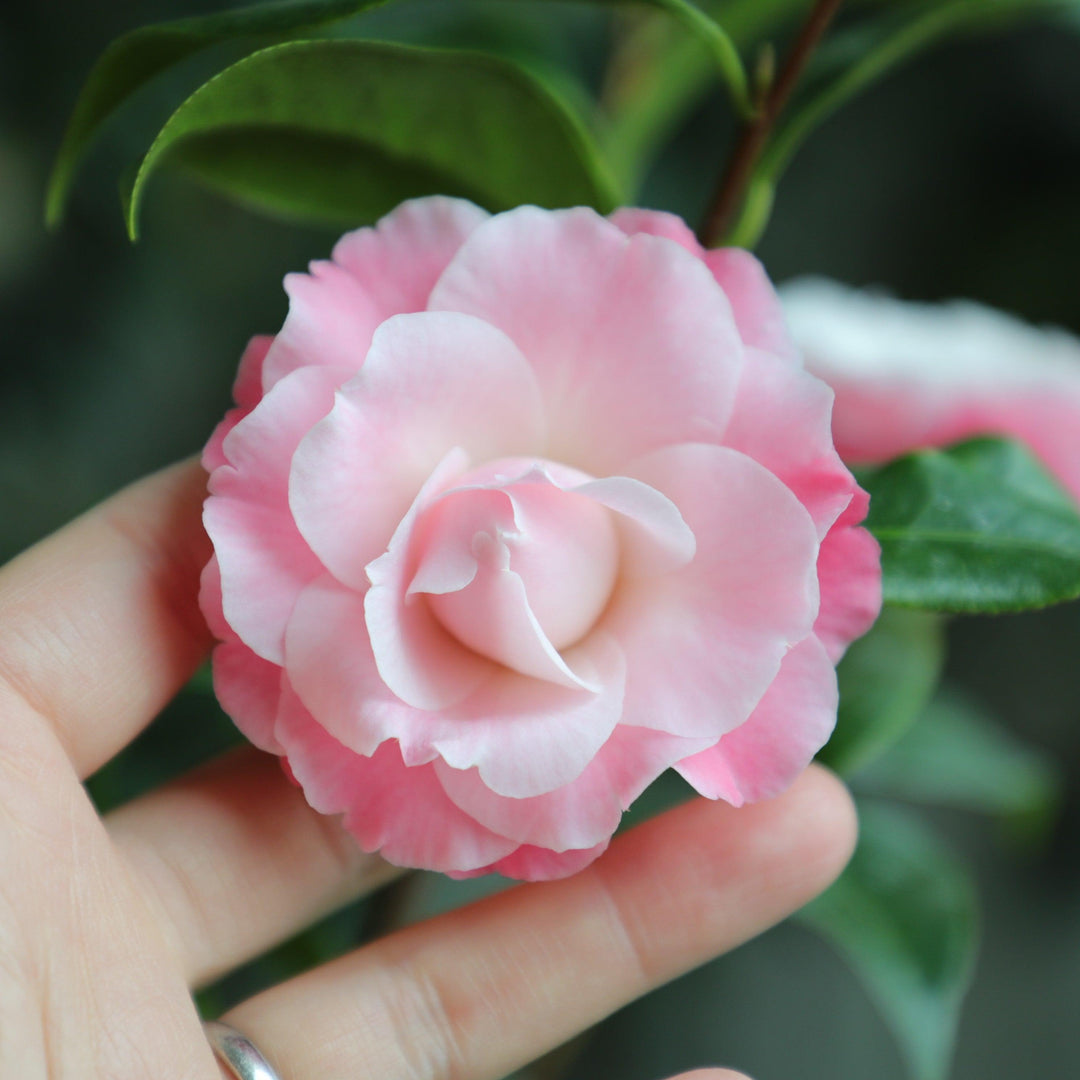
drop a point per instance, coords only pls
(399, 811)
(580, 814)
(849, 570)
(626, 305)
(431, 382)
(704, 643)
(530, 863)
(247, 392)
(760, 758)
(263, 559)
(330, 323)
(782, 419)
(399, 260)
(634, 219)
(758, 313)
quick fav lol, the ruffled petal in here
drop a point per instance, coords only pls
(633, 219)
(525, 736)
(416, 656)
(330, 323)
(782, 419)
(625, 306)
(398, 811)
(584, 812)
(704, 643)
(247, 393)
(264, 561)
(759, 314)
(530, 863)
(760, 758)
(399, 260)
(849, 570)
(431, 382)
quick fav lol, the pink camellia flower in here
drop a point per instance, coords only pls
(910, 375)
(514, 514)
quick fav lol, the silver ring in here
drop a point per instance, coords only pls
(238, 1053)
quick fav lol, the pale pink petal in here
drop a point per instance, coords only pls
(530, 863)
(653, 538)
(633, 219)
(399, 811)
(248, 688)
(849, 571)
(417, 658)
(330, 323)
(626, 308)
(762, 757)
(210, 600)
(431, 382)
(525, 736)
(782, 420)
(247, 392)
(704, 643)
(264, 561)
(585, 812)
(399, 260)
(248, 387)
(758, 312)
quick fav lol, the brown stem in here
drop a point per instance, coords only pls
(754, 134)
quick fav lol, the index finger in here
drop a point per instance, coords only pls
(100, 623)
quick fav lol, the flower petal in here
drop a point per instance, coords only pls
(759, 314)
(530, 863)
(417, 658)
(760, 758)
(431, 382)
(247, 392)
(584, 812)
(849, 571)
(399, 260)
(782, 419)
(329, 325)
(625, 306)
(704, 643)
(401, 812)
(264, 560)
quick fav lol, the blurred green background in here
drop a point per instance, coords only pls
(958, 176)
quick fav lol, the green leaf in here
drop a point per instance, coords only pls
(980, 527)
(133, 59)
(342, 131)
(886, 680)
(904, 915)
(958, 756)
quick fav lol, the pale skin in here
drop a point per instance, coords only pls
(107, 924)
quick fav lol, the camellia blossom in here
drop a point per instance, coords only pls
(517, 512)
(912, 375)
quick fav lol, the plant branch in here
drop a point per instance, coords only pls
(731, 191)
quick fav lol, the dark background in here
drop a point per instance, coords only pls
(958, 176)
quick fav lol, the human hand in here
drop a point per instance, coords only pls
(107, 924)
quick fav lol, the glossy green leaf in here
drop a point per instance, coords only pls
(980, 527)
(344, 130)
(133, 59)
(957, 756)
(904, 915)
(886, 680)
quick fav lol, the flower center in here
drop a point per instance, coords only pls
(513, 550)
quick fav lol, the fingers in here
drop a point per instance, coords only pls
(238, 861)
(99, 624)
(482, 990)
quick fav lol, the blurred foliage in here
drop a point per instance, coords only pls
(957, 176)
